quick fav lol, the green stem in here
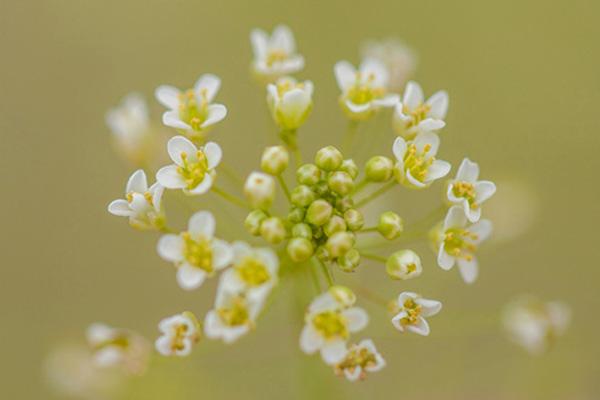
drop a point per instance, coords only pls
(368, 230)
(375, 194)
(361, 185)
(231, 173)
(350, 136)
(374, 257)
(230, 198)
(315, 279)
(325, 270)
(285, 188)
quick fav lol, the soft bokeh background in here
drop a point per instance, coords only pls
(524, 84)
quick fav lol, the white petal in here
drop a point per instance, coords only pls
(371, 67)
(187, 348)
(388, 101)
(163, 345)
(468, 171)
(295, 103)
(171, 118)
(345, 74)
(203, 186)
(168, 96)
(439, 105)
(323, 302)
(413, 95)
(179, 145)
(333, 352)
(270, 259)
(137, 182)
(415, 182)
(209, 83)
(310, 340)
(216, 113)
(213, 328)
(258, 39)
(170, 247)
(421, 327)
(402, 297)
(438, 169)
(108, 356)
(120, 208)
(445, 260)
(455, 218)
(397, 320)
(357, 318)
(231, 334)
(483, 230)
(157, 191)
(468, 269)
(283, 38)
(399, 148)
(190, 277)
(353, 374)
(357, 108)
(170, 178)
(240, 250)
(429, 307)
(213, 154)
(484, 190)
(430, 125)
(139, 204)
(473, 215)
(427, 139)
(222, 254)
(202, 223)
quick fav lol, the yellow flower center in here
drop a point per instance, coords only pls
(236, 314)
(413, 311)
(465, 190)
(285, 85)
(147, 195)
(363, 92)
(198, 252)
(331, 324)
(179, 334)
(357, 358)
(417, 162)
(252, 271)
(120, 340)
(418, 114)
(276, 56)
(193, 172)
(458, 242)
(192, 111)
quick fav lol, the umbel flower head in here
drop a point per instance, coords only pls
(308, 210)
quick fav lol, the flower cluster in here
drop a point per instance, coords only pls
(323, 229)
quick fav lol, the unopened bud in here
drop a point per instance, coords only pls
(339, 243)
(354, 219)
(341, 182)
(329, 158)
(299, 249)
(319, 212)
(390, 225)
(302, 196)
(259, 189)
(349, 261)
(335, 224)
(253, 221)
(274, 160)
(350, 167)
(308, 174)
(404, 264)
(379, 169)
(272, 230)
(302, 230)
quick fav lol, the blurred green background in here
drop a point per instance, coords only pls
(524, 84)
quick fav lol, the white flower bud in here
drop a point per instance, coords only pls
(335, 224)
(379, 169)
(343, 295)
(300, 249)
(354, 219)
(390, 225)
(339, 243)
(319, 212)
(308, 174)
(404, 264)
(341, 182)
(290, 102)
(253, 221)
(349, 261)
(260, 190)
(272, 230)
(274, 160)
(302, 196)
(329, 158)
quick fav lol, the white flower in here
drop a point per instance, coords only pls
(329, 322)
(141, 204)
(179, 334)
(398, 58)
(193, 169)
(117, 347)
(130, 125)
(360, 358)
(412, 310)
(196, 253)
(192, 111)
(458, 241)
(275, 55)
(253, 270)
(364, 90)
(416, 165)
(414, 115)
(290, 102)
(259, 189)
(234, 314)
(469, 192)
(535, 325)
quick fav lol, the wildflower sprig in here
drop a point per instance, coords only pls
(309, 211)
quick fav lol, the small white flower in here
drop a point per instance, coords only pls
(259, 189)
(469, 192)
(117, 347)
(535, 325)
(196, 253)
(193, 169)
(192, 112)
(364, 91)
(360, 358)
(458, 241)
(253, 270)
(141, 204)
(412, 310)
(290, 102)
(275, 55)
(398, 58)
(414, 115)
(416, 165)
(179, 334)
(329, 322)
(129, 123)
(234, 314)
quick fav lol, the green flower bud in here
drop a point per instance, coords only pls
(379, 169)
(308, 174)
(299, 249)
(343, 295)
(344, 204)
(253, 221)
(272, 230)
(404, 264)
(350, 167)
(319, 212)
(335, 224)
(329, 158)
(260, 190)
(274, 160)
(341, 182)
(321, 189)
(339, 243)
(302, 230)
(296, 215)
(354, 219)
(322, 254)
(349, 261)
(390, 225)
(302, 196)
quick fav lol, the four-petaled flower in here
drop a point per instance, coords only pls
(275, 55)
(193, 169)
(197, 254)
(469, 192)
(458, 241)
(416, 165)
(290, 102)
(412, 310)
(329, 323)
(114, 347)
(414, 115)
(192, 112)
(179, 334)
(141, 204)
(359, 359)
(364, 91)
